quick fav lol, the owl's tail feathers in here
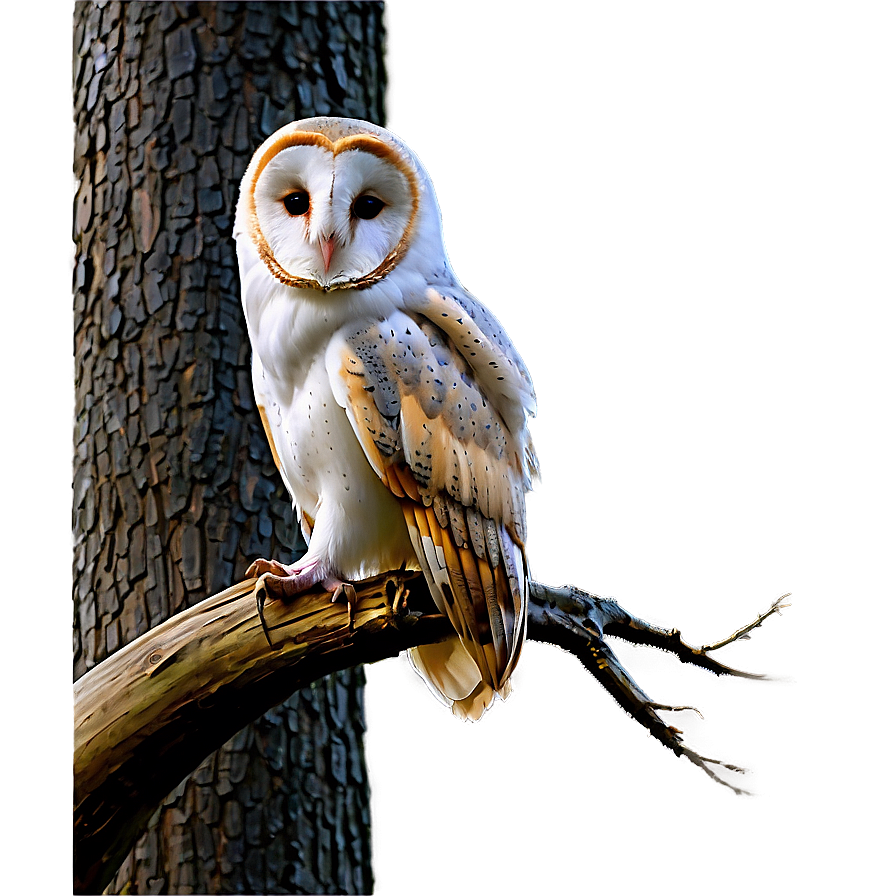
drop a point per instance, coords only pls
(455, 679)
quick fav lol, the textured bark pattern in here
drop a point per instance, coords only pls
(174, 487)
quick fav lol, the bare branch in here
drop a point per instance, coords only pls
(578, 622)
(741, 633)
(149, 714)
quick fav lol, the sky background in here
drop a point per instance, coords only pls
(683, 215)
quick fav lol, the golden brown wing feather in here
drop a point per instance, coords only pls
(433, 435)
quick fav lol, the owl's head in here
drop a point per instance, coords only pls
(332, 203)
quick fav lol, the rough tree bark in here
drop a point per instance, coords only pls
(174, 488)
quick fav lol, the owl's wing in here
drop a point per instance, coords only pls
(433, 426)
(483, 343)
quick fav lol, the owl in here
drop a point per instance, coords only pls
(395, 405)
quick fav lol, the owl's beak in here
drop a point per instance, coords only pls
(327, 245)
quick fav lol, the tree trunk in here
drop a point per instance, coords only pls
(174, 487)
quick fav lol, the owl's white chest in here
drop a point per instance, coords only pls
(319, 454)
(358, 525)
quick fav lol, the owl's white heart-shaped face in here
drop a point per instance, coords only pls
(331, 215)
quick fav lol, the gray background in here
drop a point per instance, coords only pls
(683, 213)
(683, 216)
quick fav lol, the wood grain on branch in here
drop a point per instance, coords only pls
(149, 714)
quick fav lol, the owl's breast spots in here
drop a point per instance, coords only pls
(324, 459)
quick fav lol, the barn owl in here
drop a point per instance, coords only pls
(395, 405)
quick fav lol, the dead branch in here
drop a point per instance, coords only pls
(149, 714)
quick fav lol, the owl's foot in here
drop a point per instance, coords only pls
(260, 566)
(280, 582)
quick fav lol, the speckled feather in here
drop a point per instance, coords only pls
(435, 440)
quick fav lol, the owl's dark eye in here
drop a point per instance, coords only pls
(297, 203)
(367, 207)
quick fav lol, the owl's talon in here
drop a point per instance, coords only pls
(346, 591)
(279, 582)
(260, 597)
(400, 601)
